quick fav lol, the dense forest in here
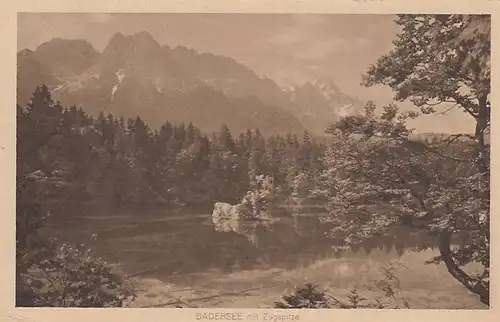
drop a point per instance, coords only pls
(120, 163)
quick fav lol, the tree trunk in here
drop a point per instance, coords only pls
(482, 122)
(473, 285)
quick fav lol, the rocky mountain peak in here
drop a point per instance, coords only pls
(135, 75)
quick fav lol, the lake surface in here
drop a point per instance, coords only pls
(189, 243)
(185, 250)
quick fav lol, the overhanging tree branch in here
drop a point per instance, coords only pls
(473, 285)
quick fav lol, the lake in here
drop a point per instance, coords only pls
(180, 255)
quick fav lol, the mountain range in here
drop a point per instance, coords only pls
(135, 75)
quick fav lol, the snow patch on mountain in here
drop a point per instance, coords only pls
(289, 89)
(120, 75)
(58, 88)
(329, 91)
(346, 110)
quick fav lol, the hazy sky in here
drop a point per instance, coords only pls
(290, 49)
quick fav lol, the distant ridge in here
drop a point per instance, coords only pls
(135, 75)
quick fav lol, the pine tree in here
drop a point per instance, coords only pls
(226, 139)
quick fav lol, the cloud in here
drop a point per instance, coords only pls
(309, 21)
(102, 18)
(299, 28)
(318, 51)
(314, 38)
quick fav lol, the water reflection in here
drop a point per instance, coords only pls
(190, 243)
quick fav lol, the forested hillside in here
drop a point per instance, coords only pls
(123, 163)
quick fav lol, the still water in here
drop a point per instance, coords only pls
(189, 243)
(168, 252)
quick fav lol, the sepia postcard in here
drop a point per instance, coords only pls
(248, 161)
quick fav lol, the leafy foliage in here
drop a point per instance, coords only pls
(438, 59)
(300, 188)
(261, 200)
(252, 213)
(310, 296)
(305, 297)
(379, 177)
(68, 276)
(378, 183)
(48, 274)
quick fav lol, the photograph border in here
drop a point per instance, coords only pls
(8, 17)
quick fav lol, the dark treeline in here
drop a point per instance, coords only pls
(123, 162)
